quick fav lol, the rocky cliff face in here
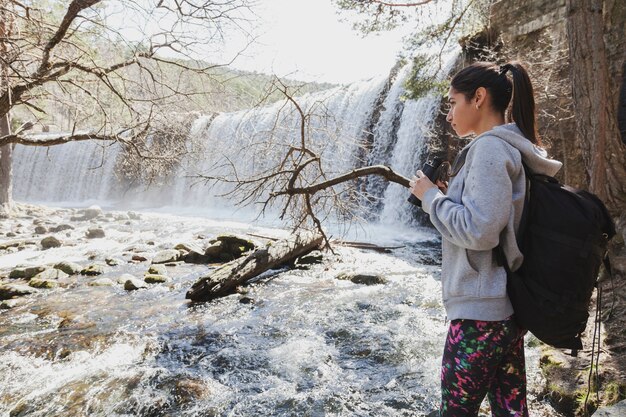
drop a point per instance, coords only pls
(534, 32)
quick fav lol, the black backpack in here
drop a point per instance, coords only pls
(563, 234)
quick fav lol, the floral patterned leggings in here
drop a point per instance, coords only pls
(483, 358)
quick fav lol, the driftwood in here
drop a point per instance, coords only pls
(225, 280)
(363, 245)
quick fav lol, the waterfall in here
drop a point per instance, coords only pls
(364, 123)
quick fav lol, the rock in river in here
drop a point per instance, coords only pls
(69, 268)
(94, 233)
(134, 284)
(14, 290)
(51, 273)
(168, 255)
(43, 283)
(157, 270)
(155, 279)
(93, 269)
(50, 242)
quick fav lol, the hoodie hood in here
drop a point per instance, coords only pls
(534, 157)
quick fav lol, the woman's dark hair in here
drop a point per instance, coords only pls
(494, 79)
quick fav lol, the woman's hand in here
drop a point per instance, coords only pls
(421, 183)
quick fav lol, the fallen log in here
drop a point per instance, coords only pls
(363, 245)
(224, 280)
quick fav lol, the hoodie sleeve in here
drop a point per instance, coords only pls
(477, 220)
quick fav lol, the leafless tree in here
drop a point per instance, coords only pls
(83, 57)
(298, 179)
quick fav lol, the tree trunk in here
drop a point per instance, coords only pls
(595, 109)
(6, 174)
(225, 280)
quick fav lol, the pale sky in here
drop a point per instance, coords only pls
(306, 37)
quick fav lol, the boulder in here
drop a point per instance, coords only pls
(195, 254)
(101, 282)
(616, 410)
(41, 230)
(113, 261)
(236, 241)
(10, 234)
(215, 250)
(43, 283)
(134, 284)
(69, 268)
(50, 242)
(156, 279)
(93, 269)
(15, 290)
(139, 258)
(61, 228)
(51, 273)
(26, 273)
(164, 256)
(9, 304)
(94, 233)
(157, 270)
(365, 279)
(87, 214)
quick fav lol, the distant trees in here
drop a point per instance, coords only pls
(98, 72)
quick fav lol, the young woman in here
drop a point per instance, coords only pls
(481, 209)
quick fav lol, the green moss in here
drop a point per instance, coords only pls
(614, 392)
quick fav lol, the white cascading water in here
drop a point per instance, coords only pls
(254, 140)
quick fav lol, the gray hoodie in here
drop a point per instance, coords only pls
(482, 208)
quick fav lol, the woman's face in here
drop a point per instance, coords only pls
(462, 115)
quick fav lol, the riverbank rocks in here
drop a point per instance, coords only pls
(165, 256)
(26, 272)
(50, 242)
(101, 282)
(94, 233)
(156, 279)
(41, 230)
(113, 261)
(15, 290)
(61, 228)
(69, 268)
(157, 270)
(617, 410)
(138, 258)
(9, 304)
(365, 279)
(51, 274)
(225, 248)
(93, 269)
(194, 254)
(87, 214)
(134, 284)
(43, 283)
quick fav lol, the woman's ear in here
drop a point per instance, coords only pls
(479, 97)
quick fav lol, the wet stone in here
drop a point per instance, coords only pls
(365, 279)
(9, 304)
(157, 270)
(41, 230)
(14, 290)
(123, 278)
(113, 261)
(101, 282)
(94, 233)
(43, 283)
(168, 255)
(156, 279)
(50, 242)
(139, 258)
(134, 284)
(61, 228)
(51, 273)
(93, 269)
(69, 268)
(26, 273)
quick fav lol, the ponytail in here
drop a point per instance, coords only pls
(523, 106)
(494, 79)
